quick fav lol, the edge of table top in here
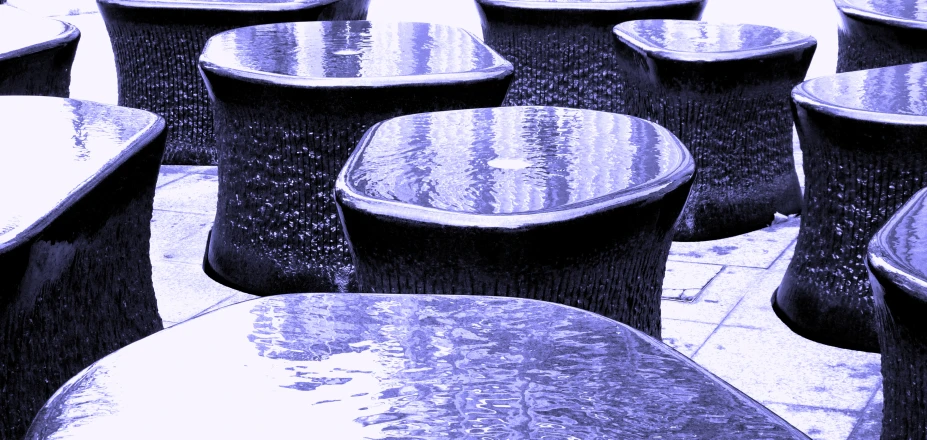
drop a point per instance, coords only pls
(288, 5)
(67, 35)
(613, 5)
(884, 262)
(849, 10)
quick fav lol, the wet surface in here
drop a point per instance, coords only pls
(75, 142)
(908, 9)
(567, 4)
(350, 49)
(398, 366)
(21, 30)
(899, 245)
(513, 160)
(702, 37)
(894, 90)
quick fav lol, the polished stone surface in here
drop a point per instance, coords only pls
(36, 54)
(388, 366)
(912, 10)
(897, 250)
(22, 33)
(220, 5)
(713, 41)
(885, 94)
(880, 33)
(602, 5)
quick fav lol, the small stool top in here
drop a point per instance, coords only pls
(894, 95)
(22, 33)
(512, 166)
(898, 250)
(592, 5)
(400, 366)
(900, 13)
(352, 54)
(686, 40)
(56, 150)
(221, 5)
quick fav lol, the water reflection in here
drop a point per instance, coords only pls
(19, 29)
(510, 160)
(696, 36)
(350, 49)
(894, 90)
(904, 238)
(910, 9)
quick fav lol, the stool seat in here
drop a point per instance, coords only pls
(401, 366)
(880, 33)
(724, 90)
(291, 102)
(861, 134)
(535, 202)
(36, 54)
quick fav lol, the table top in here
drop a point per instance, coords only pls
(352, 54)
(687, 40)
(902, 13)
(510, 166)
(56, 150)
(400, 366)
(895, 95)
(898, 250)
(22, 33)
(603, 5)
(221, 5)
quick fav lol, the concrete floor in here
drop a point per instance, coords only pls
(716, 294)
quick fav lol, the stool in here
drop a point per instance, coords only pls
(78, 183)
(862, 137)
(563, 205)
(35, 54)
(156, 44)
(897, 266)
(563, 50)
(724, 90)
(401, 366)
(880, 33)
(291, 102)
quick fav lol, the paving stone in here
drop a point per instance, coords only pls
(183, 290)
(195, 193)
(755, 310)
(685, 336)
(179, 237)
(684, 281)
(171, 173)
(869, 426)
(754, 249)
(818, 423)
(726, 289)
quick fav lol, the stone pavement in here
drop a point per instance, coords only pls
(716, 307)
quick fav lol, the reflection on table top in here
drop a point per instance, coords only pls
(898, 249)
(23, 33)
(889, 94)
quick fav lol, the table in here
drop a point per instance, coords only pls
(724, 90)
(401, 366)
(35, 54)
(862, 138)
(156, 44)
(563, 205)
(897, 266)
(78, 183)
(563, 50)
(880, 33)
(291, 102)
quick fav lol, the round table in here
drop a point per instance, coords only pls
(35, 54)
(880, 33)
(563, 205)
(78, 182)
(724, 90)
(862, 135)
(156, 44)
(291, 102)
(401, 366)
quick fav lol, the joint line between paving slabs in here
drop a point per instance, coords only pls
(862, 413)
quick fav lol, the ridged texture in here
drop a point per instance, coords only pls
(611, 263)
(277, 228)
(867, 45)
(78, 291)
(903, 340)
(43, 73)
(857, 175)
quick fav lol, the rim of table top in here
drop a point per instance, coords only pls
(807, 100)
(884, 262)
(650, 50)
(288, 5)
(851, 10)
(132, 146)
(612, 5)
(654, 189)
(67, 35)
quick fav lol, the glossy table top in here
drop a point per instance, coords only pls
(704, 41)
(500, 166)
(400, 366)
(905, 13)
(55, 150)
(22, 33)
(221, 5)
(896, 94)
(352, 54)
(899, 249)
(605, 5)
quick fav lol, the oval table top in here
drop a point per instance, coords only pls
(22, 33)
(54, 151)
(510, 166)
(400, 366)
(591, 5)
(895, 94)
(899, 13)
(898, 250)
(688, 40)
(220, 5)
(352, 54)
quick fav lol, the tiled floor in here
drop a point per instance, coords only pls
(716, 306)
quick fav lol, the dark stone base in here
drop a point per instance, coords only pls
(863, 44)
(78, 291)
(43, 73)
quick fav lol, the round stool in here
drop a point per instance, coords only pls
(862, 137)
(291, 102)
(880, 33)
(562, 205)
(36, 54)
(724, 90)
